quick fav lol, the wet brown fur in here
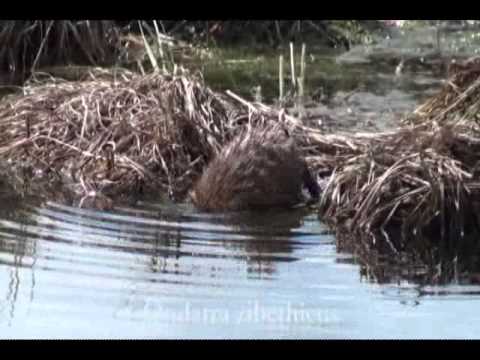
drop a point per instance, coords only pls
(261, 168)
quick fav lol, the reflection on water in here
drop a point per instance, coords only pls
(163, 271)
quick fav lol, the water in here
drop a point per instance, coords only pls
(358, 90)
(356, 95)
(157, 270)
(163, 271)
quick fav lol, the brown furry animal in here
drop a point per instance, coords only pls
(259, 169)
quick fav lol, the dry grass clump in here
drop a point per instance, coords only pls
(421, 179)
(118, 136)
(458, 98)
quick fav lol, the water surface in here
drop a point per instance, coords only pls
(163, 271)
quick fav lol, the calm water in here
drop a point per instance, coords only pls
(156, 270)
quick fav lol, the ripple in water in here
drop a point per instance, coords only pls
(168, 271)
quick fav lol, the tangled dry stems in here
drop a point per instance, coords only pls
(157, 132)
(127, 135)
(418, 180)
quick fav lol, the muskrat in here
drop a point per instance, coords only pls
(260, 168)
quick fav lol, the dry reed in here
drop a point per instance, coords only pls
(116, 136)
(418, 180)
